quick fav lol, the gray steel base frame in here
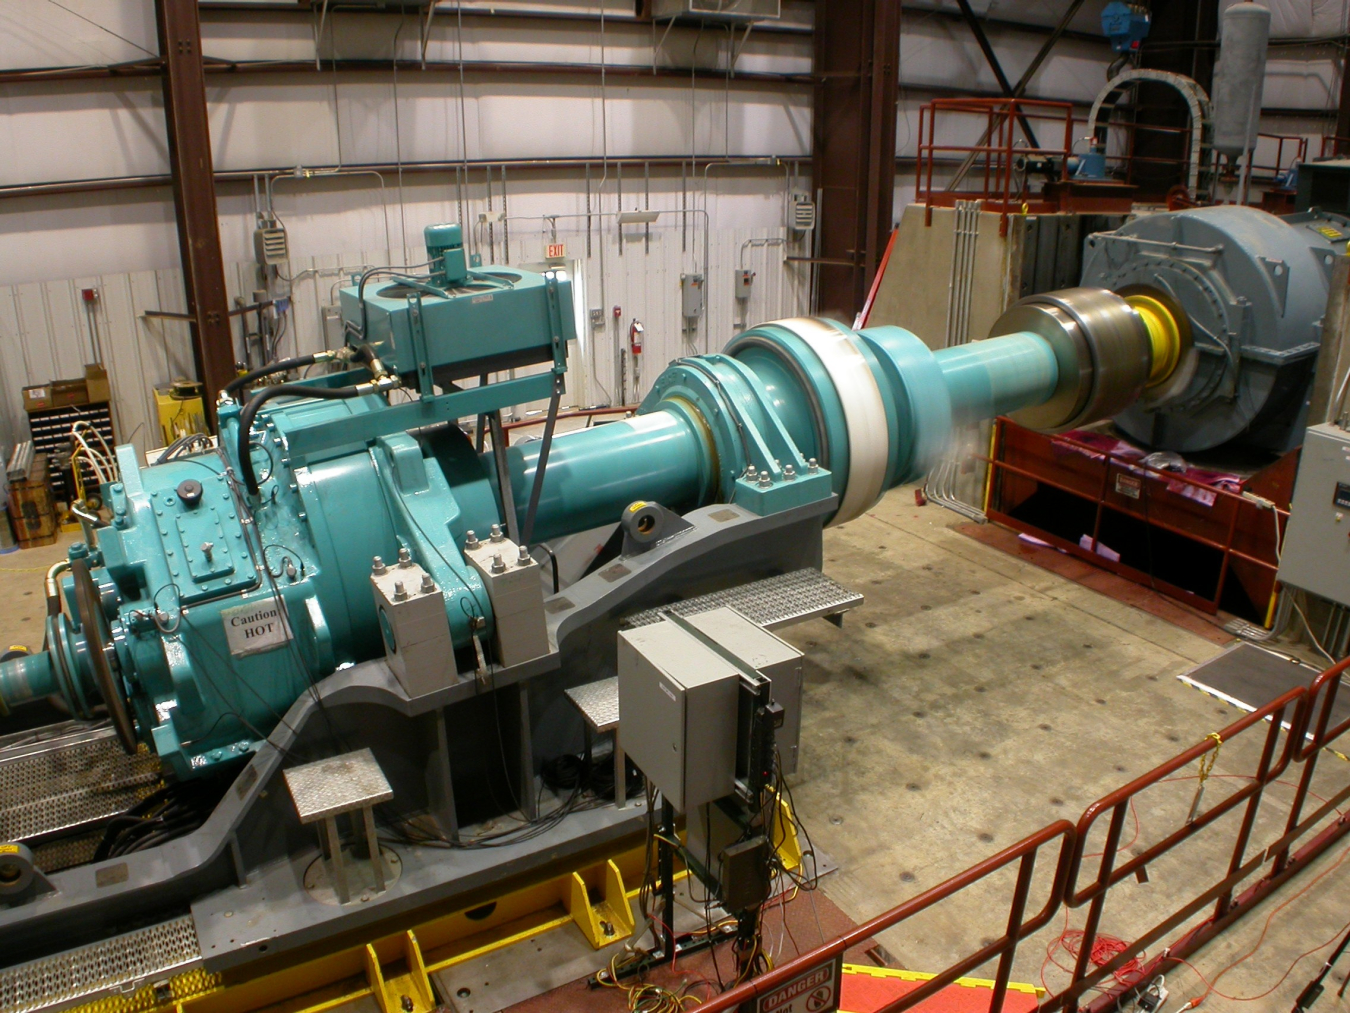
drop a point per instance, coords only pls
(240, 875)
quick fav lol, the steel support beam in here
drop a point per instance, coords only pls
(1342, 136)
(194, 193)
(857, 55)
(991, 58)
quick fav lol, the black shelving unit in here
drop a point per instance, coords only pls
(51, 436)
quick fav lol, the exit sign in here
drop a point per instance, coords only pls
(557, 251)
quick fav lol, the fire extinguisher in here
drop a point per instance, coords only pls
(635, 332)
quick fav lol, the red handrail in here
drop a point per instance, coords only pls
(1024, 852)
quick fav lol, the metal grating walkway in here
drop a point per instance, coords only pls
(772, 603)
(70, 781)
(120, 964)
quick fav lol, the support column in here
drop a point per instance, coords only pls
(194, 194)
(1180, 40)
(857, 56)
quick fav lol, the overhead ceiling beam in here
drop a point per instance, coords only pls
(194, 194)
(991, 58)
(216, 67)
(1020, 88)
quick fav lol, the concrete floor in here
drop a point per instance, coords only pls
(973, 699)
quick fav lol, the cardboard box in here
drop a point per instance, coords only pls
(92, 388)
(97, 388)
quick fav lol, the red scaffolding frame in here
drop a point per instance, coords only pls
(993, 161)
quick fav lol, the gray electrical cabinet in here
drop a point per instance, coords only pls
(1316, 554)
(678, 704)
(775, 659)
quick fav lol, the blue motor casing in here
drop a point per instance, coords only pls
(1254, 287)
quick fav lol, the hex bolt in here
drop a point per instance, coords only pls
(428, 585)
(377, 566)
(789, 473)
(496, 532)
(290, 569)
(525, 558)
(400, 592)
(751, 472)
(765, 480)
(404, 558)
(207, 549)
(498, 564)
(470, 540)
(813, 465)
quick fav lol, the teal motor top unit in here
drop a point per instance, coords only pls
(229, 582)
(458, 323)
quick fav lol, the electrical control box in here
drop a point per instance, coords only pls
(775, 659)
(678, 702)
(745, 281)
(1316, 553)
(691, 296)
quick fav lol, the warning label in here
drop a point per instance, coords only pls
(251, 629)
(813, 991)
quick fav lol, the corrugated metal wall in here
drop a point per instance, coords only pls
(45, 329)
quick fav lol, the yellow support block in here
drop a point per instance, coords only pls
(606, 922)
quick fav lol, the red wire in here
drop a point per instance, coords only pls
(1210, 986)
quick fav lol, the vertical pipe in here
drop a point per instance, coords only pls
(506, 222)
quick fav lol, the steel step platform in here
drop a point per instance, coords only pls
(773, 602)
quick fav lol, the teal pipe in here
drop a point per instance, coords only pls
(29, 677)
(989, 378)
(593, 474)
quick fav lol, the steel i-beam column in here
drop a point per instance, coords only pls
(194, 193)
(857, 56)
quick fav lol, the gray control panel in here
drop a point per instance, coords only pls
(1316, 555)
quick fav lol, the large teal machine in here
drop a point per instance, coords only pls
(349, 571)
(230, 583)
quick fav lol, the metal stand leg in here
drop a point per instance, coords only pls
(335, 867)
(620, 775)
(373, 848)
(666, 862)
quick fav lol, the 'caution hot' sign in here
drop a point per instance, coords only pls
(250, 629)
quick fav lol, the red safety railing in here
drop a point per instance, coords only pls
(1333, 146)
(1297, 729)
(1090, 473)
(1018, 926)
(1118, 805)
(1294, 147)
(993, 170)
(588, 414)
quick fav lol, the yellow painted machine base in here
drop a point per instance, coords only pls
(395, 970)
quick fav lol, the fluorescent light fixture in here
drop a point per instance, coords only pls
(638, 217)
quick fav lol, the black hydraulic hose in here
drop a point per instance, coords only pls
(280, 366)
(266, 394)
